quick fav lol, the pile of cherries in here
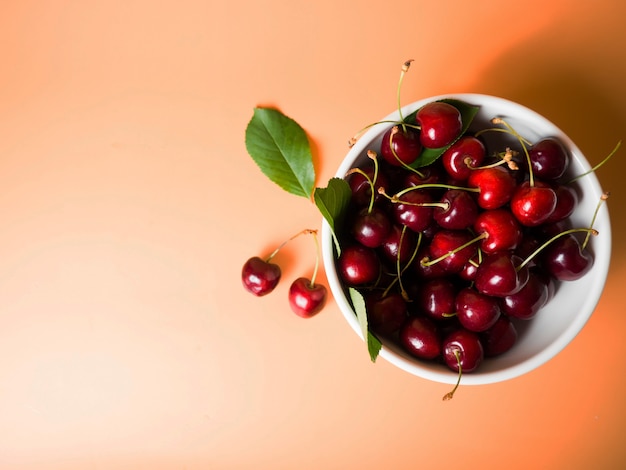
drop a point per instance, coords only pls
(451, 256)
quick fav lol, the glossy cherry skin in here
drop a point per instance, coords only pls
(525, 303)
(461, 210)
(440, 124)
(476, 311)
(533, 205)
(260, 277)
(358, 265)
(498, 274)
(500, 338)
(408, 211)
(502, 229)
(445, 243)
(371, 228)
(466, 153)
(549, 159)
(496, 186)
(385, 314)
(307, 299)
(361, 187)
(566, 202)
(565, 259)
(399, 245)
(436, 298)
(400, 146)
(469, 348)
(420, 337)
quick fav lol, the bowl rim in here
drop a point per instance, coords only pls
(437, 372)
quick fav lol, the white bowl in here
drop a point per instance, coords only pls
(556, 325)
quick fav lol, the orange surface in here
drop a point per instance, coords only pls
(128, 205)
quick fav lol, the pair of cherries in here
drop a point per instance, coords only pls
(451, 255)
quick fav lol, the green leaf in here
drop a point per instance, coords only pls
(281, 149)
(468, 112)
(333, 202)
(373, 343)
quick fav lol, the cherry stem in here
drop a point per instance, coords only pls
(399, 270)
(589, 230)
(369, 180)
(352, 140)
(306, 231)
(403, 71)
(603, 198)
(428, 262)
(592, 170)
(450, 394)
(394, 131)
(396, 197)
(506, 158)
(523, 142)
(317, 257)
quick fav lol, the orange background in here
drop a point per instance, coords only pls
(128, 205)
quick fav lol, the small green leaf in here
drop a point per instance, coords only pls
(373, 343)
(281, 149)
(468, 112)
(332, 202)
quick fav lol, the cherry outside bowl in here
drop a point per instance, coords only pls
(558, 323)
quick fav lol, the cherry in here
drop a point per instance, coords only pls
(464, 154)
(425, 271)
(259, 276)
(451, 249)
(462, 350)
(358, 265)
(307, 298)
(499, 274)
(400, 145)
(457, 211)
(420, 337)
(476, 311)
(548, 158)
(409, 210)
(525, 303)
(440, 124)
(361, 184)
(385, 312)
(500, 338)
(501, 229)
(371, 227)
(495, 184)
(436, 298)
(566, 260)
(566, 202)
(532, 205)
(399, 245)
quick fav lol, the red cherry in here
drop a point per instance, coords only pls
(461, 156)
(476, 311)
(420, 337)
(463, 348)
(495, 185)
(502, 230)
(440, 124)
(408, 211)
(565, 259)
(260, 277)
(500, 338)
(549, 159)
(533, 205)
(445, 247)
(305, 298)
(385, 313)
(358, 265)
(498, 274)
(525, 303)
(400, 146)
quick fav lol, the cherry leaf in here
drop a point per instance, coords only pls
(373, 343)
(280, 147)
(332, 201)
(468, 112)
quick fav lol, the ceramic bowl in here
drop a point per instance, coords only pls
(558, 323)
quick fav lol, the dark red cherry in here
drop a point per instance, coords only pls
(533, 205)
(498, 274)
(500, 338)
(525, 303)
(566, 202)
(476, 311)
(358, 265)
(361, 187)
(409, 212)
(446, 246)
(385, 313)
(400, 146)
(371, 227)
(306, 298)
(399, 245)
(440, 124)
(460, 210)
(502, 230)
(420, 337)
(496, 186)
(466, 153)
(463, 348)
(436, 298)
(260, 277)
(565, 259)
(549, 159)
